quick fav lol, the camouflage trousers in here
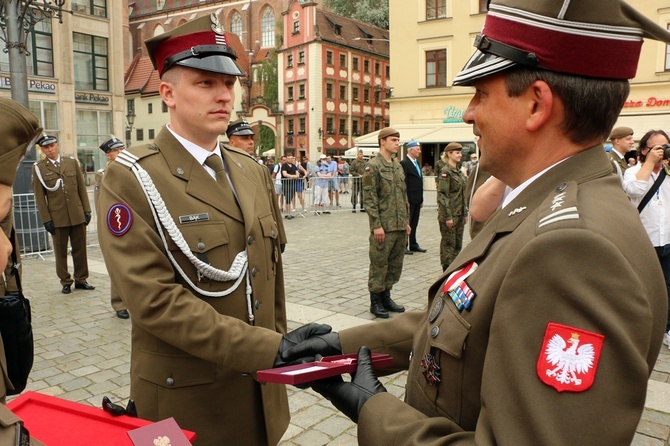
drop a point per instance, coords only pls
(356, 191)
(451, 242)
(386, 260)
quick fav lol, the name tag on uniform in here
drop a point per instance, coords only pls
(193, 218)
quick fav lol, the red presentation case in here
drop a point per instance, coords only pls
(326, 368)
(58, 422)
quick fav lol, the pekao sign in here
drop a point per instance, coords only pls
(650, 102)
(91, 98)
(34, 85)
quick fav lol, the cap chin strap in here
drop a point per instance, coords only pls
(59, 181)
(238, 270)
(486, 45)
(200, 51)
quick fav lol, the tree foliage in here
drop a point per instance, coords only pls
(373, 12)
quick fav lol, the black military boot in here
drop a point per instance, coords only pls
(388, 303)
(376, 306)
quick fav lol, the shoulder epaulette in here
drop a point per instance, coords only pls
(559, 206)
(236, 150)
(130, 156)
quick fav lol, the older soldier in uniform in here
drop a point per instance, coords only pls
(530, 337)
(19, 129)
(357, 169)
(241, 136)
(451, 211)
(193, 243)
(385, 199)
(61, 197)
(111, 148)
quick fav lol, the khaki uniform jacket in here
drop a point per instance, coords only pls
(385, 195)
(594, 270)
(66, 205)
(621, 162)
(451, 194)
(194, 357)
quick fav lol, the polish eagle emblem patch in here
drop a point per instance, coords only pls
(569, 358)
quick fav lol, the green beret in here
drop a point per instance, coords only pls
(386, 132)
(19, 129)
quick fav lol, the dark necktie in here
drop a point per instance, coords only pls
(57, 164)
(216, 164)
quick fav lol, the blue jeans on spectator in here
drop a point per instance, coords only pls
(663, 253)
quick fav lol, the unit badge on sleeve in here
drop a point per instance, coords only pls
(119, 219)
(569, 358)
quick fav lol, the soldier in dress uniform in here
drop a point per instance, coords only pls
(241, 135)
(193, 243)
(357, 169)
(622, 143)
(451, 210)
(62, 199)
(545, 328)
(111, 148)
(385, 199)
(19, 129)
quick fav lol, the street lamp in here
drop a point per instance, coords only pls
(130, 119)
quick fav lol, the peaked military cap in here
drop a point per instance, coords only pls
(200, 43)
(567, 36)
(620, 132)
(19, 129)
(113, 143)
(45, 140)
(239, 127)
(386, 132)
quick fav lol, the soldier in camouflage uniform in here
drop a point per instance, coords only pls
(356, 169)
(439, 165)
(451, 212)
(385, 199)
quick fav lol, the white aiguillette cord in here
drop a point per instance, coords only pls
(238, 269)
(58, 184)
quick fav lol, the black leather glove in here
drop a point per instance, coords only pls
(349, 397)
(87, 217)
(304, 343)
(49, 226)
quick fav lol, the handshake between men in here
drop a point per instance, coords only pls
(313, 341)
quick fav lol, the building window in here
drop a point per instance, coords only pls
(97, 8)
(151, 134)
(301, 129)
(47, 115)
(329, 57)
(377, 126)
(355, 63)
(93, 127)
(130, 106)
(378, 70)
(354, 128)
(139, 134)
(289, 61)
(236, 24)
(366, 66)
(150, 108)
(39, 59)
(388, 72)
(343, 126)
(667, 55)
(289, 127)
(90, 62)
(436, 9)
(330, 126)
(296, 27)
(290, 94)
(164, 107)
(436, 68)
(329, 91)
(301, 91)
(268, 28)
(301, 57)
(483, 5)
(343, 61)
(354, 94)
(366, 96)
(343, 92)
(366, 127)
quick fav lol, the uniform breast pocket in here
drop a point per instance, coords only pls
(270, 234)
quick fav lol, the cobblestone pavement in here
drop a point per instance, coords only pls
(82, 350)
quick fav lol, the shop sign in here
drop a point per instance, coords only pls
(91, 98)
(34, 85)
(453, 114)
(650, 102)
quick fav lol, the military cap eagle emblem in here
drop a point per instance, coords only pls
(217, 27)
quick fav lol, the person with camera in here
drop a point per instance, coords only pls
(649, 190)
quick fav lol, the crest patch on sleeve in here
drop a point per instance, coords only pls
(119, 219)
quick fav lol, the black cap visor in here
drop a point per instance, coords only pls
(216, 63)
(481, 65)
(242, 132)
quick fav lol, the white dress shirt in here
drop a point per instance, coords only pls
(656, 214)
